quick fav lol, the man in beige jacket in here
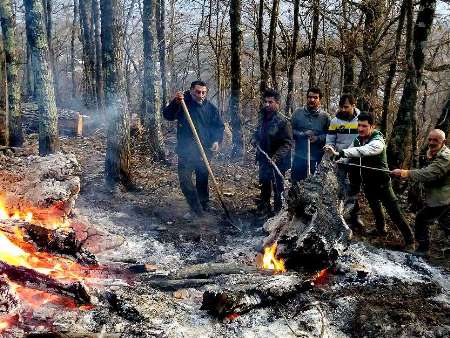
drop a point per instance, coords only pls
(436, 179)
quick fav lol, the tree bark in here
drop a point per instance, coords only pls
(48, 10)
(315, 32)
(87, 39)
(4, 130)
(270, 44)
(117, 162)
(98, 55)
(74, 34)
(393, 68)
(399, 148)
(8, 22)
(151, 106)
(260, 39)
(44, 89)
(292, 61)
(235, 74)
(444, 120)
(161, 33)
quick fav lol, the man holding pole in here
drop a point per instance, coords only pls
(273, 139)
(369, 151)
(436, 179)
(309, 129)
(209, 126)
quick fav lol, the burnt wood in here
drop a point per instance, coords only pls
(32, 279)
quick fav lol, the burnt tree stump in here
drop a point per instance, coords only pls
(312, 233)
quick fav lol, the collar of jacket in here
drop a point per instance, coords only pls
(345, 117)
(313, 112)
(376, 134)
(441, 152)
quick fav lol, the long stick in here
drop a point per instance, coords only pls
(206, 162)
(365, 167)
(308, 165)
(270, 161)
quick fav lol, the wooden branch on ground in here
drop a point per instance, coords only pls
(207, 270)
(32, 279)
(176, 284)
(251, 292)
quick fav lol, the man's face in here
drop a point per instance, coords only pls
(365, 129)
(435, 142)
(313, 100)
(271, 104)
(199, 93)
(347, 108)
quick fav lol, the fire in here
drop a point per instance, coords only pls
(321, 276)
(270, 262)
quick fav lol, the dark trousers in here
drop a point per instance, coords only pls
(198, 195)
(300, 168)
(427, 216)
(384, 195)
(269, 181)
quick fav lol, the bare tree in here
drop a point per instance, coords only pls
(117, 162)
(74, 35)
(292, 59)
(44, 89)
(235, 94)
(152, 107)
(8, 22)
(400, 149)
(161, 33)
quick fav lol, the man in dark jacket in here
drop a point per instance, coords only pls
(309, 123)
(210, 127)
(436, 179)
(369, 150)
(274, 136)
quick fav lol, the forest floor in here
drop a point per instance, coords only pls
(146, 225)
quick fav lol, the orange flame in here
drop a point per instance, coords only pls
(321, 276)
(270, 262)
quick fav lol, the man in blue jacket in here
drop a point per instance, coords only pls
(308, 123)
(210, 127)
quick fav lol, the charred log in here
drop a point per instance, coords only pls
(121, 307)
(243, 296)
(46, 186)
(32, 279)
(312, 233)
(212, 269)
(62, 242)
(8, 301)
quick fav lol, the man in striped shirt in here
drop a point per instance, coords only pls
(341, 133)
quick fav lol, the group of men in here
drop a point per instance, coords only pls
(299, 143)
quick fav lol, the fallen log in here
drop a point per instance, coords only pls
(207, 270)
(32, 279)
(46, 186)
(251, 291)
(165, 284)
(312, 233)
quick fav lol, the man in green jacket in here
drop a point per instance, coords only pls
(436, 179)
(369, 150)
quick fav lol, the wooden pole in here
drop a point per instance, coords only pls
(206, 162)
(308, 165)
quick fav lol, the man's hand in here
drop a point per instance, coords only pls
(178, 96)
(311, 135)
(330, 150)
(399, 173)
(215, 147)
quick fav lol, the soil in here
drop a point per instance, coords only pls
(153, 212)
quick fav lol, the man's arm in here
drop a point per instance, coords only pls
(331, 135)
(172, 111)
(322, 136)
(372, 148)
(285, 135)
(436, 170)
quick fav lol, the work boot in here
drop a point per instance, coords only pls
(377, 232)
(421, 253)
(409, 248)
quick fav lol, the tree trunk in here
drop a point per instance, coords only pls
(161, 32)
(260, 38)
(292, 60)
(399, 148)
(315, 32)
(235, 74)
(43, 76)
(393, 68)
(87, 39)
(117, 162)
(171, 47)
(270, 43)
(444, 120)
(72, 47)
(4, 130)
(98, 55)
(152, 114)
(48, 10)
(8, 22)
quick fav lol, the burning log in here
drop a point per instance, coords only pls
(33, 279)
(312, 233)
(8, 301)
(252, 291)
(46, 186)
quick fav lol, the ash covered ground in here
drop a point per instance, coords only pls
(373, 291)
